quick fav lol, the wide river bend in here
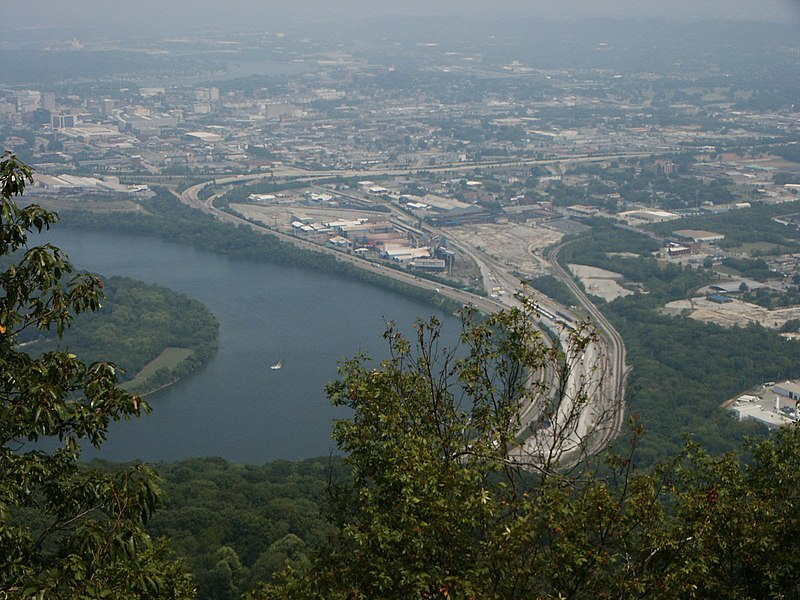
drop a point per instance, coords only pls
(237, 407)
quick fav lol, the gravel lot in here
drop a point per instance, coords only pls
(513, 243)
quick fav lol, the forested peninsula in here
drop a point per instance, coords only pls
(154, 335)
(661, 377)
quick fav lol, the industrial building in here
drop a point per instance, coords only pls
(776, 405)
(203, 136)
(788, 389)
(698, 236)
(146, 124)
(73, 184)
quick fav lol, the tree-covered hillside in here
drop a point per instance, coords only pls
(683, 369)
(236, 525)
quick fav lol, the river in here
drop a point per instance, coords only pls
(237, 407)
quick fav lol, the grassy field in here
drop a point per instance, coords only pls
(168, 359)
(761, 249)
(727, 271)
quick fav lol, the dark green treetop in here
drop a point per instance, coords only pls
(443, 505)
(65, 531)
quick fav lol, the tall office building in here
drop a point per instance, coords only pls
(207, 94)
(62, 121)
(108, 106)
(49, 101)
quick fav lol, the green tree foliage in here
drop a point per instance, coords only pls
(742, 226)
(756, 268)
(438, 507)
(640, 186)
(789, 152)
(439, 482)
(64, 532)
(268, 516)
(606, 237)
(554, 288)
(136, 323)
(683, 369)
(734, 526)
(770, 298)
(241, 193)
(615, 249)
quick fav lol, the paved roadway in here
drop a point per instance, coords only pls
(297, 174)
(606, 416)
(591, 408)
(191, 197)
(591, 412)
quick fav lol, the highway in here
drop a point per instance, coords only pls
(589, 410)
(608, 411)
(589, 398)
(190, 197)
(297, 174)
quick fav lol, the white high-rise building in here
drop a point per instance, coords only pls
(29, 101)
(206, 94)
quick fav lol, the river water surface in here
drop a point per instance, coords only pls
(237, 407)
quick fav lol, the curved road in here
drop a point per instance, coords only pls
(190, 196)
(590, 413)
(612, 393)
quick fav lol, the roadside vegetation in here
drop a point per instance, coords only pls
(167, 218)
(553, 288)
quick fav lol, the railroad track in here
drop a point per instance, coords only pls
(617, 369)
(612, 400)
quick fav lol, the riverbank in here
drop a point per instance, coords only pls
(235, 406)
(168, 368)
(153, 334)
(165, 217)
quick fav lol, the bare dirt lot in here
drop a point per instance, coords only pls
(599, 282)
(734, 313)
(518, 245)
(280, 215)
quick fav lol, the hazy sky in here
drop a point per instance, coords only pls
(158, 16)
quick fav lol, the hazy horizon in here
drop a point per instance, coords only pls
(104, 17)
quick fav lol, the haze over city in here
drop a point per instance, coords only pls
(428, 299)
(147, 17)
